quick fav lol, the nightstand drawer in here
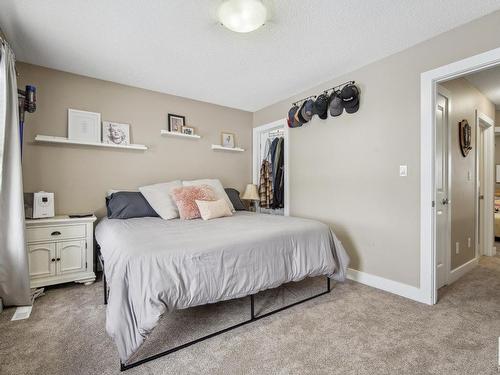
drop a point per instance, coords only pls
(55, 232)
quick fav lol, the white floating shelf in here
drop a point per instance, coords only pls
(63, 140)
(177, 134)
(222, 148)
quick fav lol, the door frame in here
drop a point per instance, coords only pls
(447, 94)
(485, 122)
(282, 123)
(428, 83)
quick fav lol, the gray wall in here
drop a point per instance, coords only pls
(80, 176)
(344, 170)
(465, 99)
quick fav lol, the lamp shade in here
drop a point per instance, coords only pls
(251, 193)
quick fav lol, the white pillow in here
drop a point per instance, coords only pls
(213, 209)
(216, 185)
(158, 197)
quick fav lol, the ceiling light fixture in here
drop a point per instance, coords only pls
(242, 16)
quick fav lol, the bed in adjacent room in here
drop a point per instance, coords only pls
(154, 266)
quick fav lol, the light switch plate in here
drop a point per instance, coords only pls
(403, 170)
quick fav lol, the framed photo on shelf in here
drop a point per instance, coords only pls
(187, 130)
(228, 140)
(84, 126)
(175, 123)
(115, 133)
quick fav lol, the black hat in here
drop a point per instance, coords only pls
(350, 98)
(321, 106)
(301, 118)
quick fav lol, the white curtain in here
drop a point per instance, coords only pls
(14, 279)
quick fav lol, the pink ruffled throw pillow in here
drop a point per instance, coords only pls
(185, 198)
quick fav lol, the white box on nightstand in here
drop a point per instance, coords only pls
(60, 250)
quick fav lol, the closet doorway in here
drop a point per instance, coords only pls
(263, 138)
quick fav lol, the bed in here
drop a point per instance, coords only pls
(154, 266)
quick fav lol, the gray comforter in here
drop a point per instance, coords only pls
(154, 265)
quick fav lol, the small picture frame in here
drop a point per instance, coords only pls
(115, 133)
(187, 130)
(176, 123)
(84, 125)
(228, 140)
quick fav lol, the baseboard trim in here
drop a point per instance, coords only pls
(391, 286)
(462, 270)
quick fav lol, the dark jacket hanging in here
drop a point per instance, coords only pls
(279, 175)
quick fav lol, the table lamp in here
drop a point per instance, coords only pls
(251, 194)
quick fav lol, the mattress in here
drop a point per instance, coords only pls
(154, 266)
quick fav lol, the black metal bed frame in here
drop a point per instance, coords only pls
(253, 318)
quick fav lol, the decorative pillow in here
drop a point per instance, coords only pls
(234, 197)
(185, 197)
(213, 209)
(158, 196)
(216, 185)
(127, 205)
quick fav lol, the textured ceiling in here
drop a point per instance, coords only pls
(177, 47)
(488, 82)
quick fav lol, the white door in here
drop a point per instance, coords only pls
(443, 235)
(42, 258)
(485, 183)
(71, 257)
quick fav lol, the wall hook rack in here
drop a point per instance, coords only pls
(324, 92)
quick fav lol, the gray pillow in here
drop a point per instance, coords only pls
(127, 205)
(234, 197)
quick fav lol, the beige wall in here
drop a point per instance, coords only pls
(80, 176)
(465, 99)
(344, 170)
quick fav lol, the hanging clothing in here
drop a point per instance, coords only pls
(266, 185)
(14, 278)
(279, 175)
(266, 180)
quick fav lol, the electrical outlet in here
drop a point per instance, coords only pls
(457, 247)
(403, 170)
(468, 242)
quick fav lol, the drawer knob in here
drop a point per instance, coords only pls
(55, 233)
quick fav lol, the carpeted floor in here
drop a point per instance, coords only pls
(353, 330)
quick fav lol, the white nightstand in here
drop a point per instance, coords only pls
(60, 250)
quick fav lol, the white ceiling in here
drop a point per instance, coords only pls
(488, 82)
(177, 46)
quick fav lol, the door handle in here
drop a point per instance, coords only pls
(53, 260)
(445, 201)
(481, 196)
(58, 259)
